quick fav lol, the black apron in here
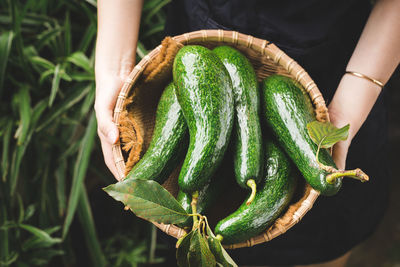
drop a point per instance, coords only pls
(320, 36)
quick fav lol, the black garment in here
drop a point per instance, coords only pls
(320, 36)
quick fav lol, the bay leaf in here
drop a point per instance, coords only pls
(183, 250)
(148, 200)
(200, 254)
(325, 134)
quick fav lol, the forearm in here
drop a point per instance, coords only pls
(117, 35)
(378, 51)
(118, 28)
(376, 55)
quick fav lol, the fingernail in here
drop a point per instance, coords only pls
(112, 136)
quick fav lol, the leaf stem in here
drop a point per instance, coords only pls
(195, 196)
(323, 166)
(252, 184)
(357, 174)
(317, 154)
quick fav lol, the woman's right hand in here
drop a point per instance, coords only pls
(108, 87)
(117, 36)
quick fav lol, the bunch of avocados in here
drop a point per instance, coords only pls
(215, 112)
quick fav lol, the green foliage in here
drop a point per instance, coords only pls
(150, 201)
(127, 250)
(51, 161)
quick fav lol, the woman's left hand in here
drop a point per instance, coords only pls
(353, 100)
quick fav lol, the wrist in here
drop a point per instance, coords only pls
(113, 69)
(352, 102)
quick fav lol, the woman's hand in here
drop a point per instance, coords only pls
(353, 100)
(118, 27)
(108, 87)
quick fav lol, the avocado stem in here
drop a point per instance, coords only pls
(195, 195)
(322, 166)
(357, 174)
(219, 237)
(252, 184)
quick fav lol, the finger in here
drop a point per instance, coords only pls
(108, 157)
(339, 154)
(106, 125)
(108, 134)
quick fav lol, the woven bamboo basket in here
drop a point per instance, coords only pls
(267, 59)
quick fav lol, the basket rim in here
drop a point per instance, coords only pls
(265, 48)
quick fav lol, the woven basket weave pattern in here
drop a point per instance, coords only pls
(267, 59)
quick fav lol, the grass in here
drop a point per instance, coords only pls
(52, 210)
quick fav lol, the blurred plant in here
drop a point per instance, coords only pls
(127, 250)
(48, 135)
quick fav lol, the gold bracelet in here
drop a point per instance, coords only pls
(360, 75)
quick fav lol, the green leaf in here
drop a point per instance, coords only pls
(4, 234)
(89, 230)
(24, 106)
(10, 260)
(325, 134)
(20, 150)
(150, 5)
(200, 254)
(21, 208)
(65, 76)
(47, 36)
(42, 257)
(55, 84)
(15, 166)
(5, 152)
(183, 250)
(79, 59)
(44, 75)
(159, 27)
(80, 168)
(5, 47)
(82, 76)
(218, 250)
(60, 175)
(141, 51)
(92, 2)
(155, 10)
(42, 62)
(29, 211)
(87, 103)
(149, 200)
(76, 95)
(220, 253)
(87, 38)
(37, 243)
(39, 233)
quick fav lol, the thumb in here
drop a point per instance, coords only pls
(110, 131)
(107, 130)
(339, 154)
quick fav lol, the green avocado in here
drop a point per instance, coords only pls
(288, 110)
(204, 92)
(168, 144)
(272, 198)
(246, 135)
